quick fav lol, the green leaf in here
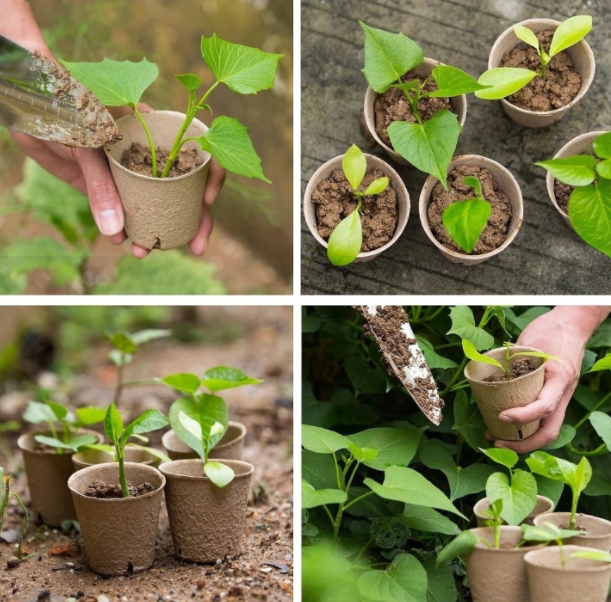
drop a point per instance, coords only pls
(405, 580)
(475, 183)
(468, 422)
(602, 425)
(566, 435)
(147, 422)
(113, 424)
(503, 82)
(395, 446)
(463, 325)
(541, 354)
(410, 487)
(242, 69)
(346, 240)
(74, 444)
(579, 170)
(123, 342)
(220, 474)
(433, 359)
(441, 587)
(548, 488)
(221, 378)
(602, 364)
(603, 169)
(364, 378)
(377, 186)
(362, 453)
(39, 413)
(590, 214)
(592, 555)
(428, 146)
(465, 221)
(228, 142)
(428, 520)
(575, 476)
(312, 498)
(354, 166)
(149, 334)
(462, 545)
(322, 441)
(547, 534)
(569, 33)
(602, 146)
(388, 57)
(190, 81)
(519, 497)
(526, 35)
(506, 457)
(115, 83)
(453, 82)
(184, 382)
(89, 416)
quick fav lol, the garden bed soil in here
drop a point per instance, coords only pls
(561, 85)
(107, 491)
(563, 194)
(497, 229)
(138, 158)
(334, 200)
(519, 368)
(392, 106)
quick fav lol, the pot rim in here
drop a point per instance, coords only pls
(507, 529)
(588, 535)
(239, 425)
(602, 567)
(553, 24)
(485, 499)
(124, 500)
(164, 468)
(206, 155)
(506, 382)
(424, 203)
(67, 452)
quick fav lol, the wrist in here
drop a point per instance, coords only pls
(581, 321)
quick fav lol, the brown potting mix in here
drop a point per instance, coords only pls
(518, 368)
(560, 86)
(138, 158)
(497, 229)
(563, 193)
(104, 490)
(334, 200)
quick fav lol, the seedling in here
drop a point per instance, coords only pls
(118, 435)
(63, 424)
(242, 69)
(465, 221)
(473, 354)
(429, 145)
(495, 520)
(589, 203)
(505, 81)
(200, 419)
(346, 240)
(550, 532)
(576, 476)
(4, 499)
(110, 449)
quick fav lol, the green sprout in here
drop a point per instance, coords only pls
(4, 499)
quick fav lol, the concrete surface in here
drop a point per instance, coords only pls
(546, 257)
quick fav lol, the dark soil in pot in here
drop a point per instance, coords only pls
(561, 85)
(393, 106)
(107, 491)
(563, 194)
(496, 231)
(518, 368)
(334, 200)
(138, 158)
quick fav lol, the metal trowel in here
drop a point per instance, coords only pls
(389, 326)
(42, 99)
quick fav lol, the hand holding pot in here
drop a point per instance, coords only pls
(563, 332)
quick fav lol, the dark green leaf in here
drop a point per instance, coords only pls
(394, 446)
(602, 425)
(427, 519)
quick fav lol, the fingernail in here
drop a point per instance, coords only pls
(109, 222)
(504, 418)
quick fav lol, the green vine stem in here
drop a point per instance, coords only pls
(122, 477)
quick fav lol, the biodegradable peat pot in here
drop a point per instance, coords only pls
(543, 505)
(230, 446)
(507, 184)
(598, 529)
(159, 213)
(580, 53)
(459, 106)
(119, 534)
(576, 146)
(498, 575)
(92, 457)
(207, 522)
(403, 202)
(580, 580)
(492, 398)
(48, 473)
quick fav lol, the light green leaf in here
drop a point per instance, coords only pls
(221, 378)
(463, 325)
(243, 69)
(115, 83)
(346, 240)
(602, 425)
(89, 416)
(428, 146)
(526, 35)
(405, 580)
(462, 545)
(193, 426)
(377, 186)
(465, 221)
(576, 476)
(113, 424)
(590, 214)
(123, 342)
(453, 82)
(190, 81)
(204, 409)
(602, 364)
(569, 33)
(354, 166)
(147, 422)
(592, 555)
(475, 183)
(566, 435)
(74, 444)
(220, 474)
(503, 82)
(120, 359)
(506, 457)
(38, 412)
(322, 441)
(395, 446)
(603, 169)
(388, 57)
(362, 453)
(187, 383)
(519, 497)
(602, 146)
(149, 334)
(541, 354)
(312, 498)
(547, 534)
(428, 520)
(574, 171)
(433, 359)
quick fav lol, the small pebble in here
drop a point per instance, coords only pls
(265, 569)
(70, 565)
(218, 562)
(103, 598)
(12, 562)
(200, 584)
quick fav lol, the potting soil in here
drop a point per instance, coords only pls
(138, 158)
(519, 368)
(104, 490)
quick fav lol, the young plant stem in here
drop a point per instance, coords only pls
(507, 367)
(329, 515)
(497, 537)
(119, 386)
(357, 499)
(7, 493)
(573, 511)
(599, 451)
(594, 409)
(122, 478)
(149, 138)
(23, 527)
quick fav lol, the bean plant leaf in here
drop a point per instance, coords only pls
(603, 169)
(89, 416)
(312, 498)
(468, 422)
(541, 354)
(570, 32)
(441, 587)
(602, 425)
(405, 580)
(462, 545)
(503, 82)
(519, 497)
(526, 35)
(428, 146)
(473, 354)
(574, 171)
(190, 81)
(220, 474)
(123, 342)
(242, 69)
(322, 441)
(602, 146)
(590, 214)
(74, 444)
(115, 83)
(113, 424)
(592, 555)
(602, 364)
(377, 186)
(362, 453)
(186, 383)
(463, 325)
(395, 446)
(222, 377)
(149, 334)
(354, 166)
(453, 82)
(346, 240)
(505, 457)
(566, 435)
(147, 422)
(465, 221)
(576, 476)
(38, 412)
(428, 520)
(433, 359)
(388, 57)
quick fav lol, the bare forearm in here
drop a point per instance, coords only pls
(582, 320)
(18, 24)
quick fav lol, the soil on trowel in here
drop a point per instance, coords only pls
(392, 106)
(519, 368)
(138, 158)
(334, 200)
(497, 229)
(563, 193)
(560, 86)
(107, 491)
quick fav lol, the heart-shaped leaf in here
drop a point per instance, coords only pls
(463, 325)
(220, 474)
(519, 497)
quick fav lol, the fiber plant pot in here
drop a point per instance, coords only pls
(159, 213)
(48, 473)
(207, 523)
(576, 146)
(507, 184)
(543, 505)
(459, 106)
(492, 398)
(581, 55)
(230, 446)
(403, 201)
(498, 575)
(119, 534)
(92, 457)
(580, 579)
(598, 529)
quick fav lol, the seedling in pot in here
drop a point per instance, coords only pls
(118, 435)
(550, 532)
(505, 81)
(346, 240)
(242, 69)
(428, 145)
(590, 201)
(4, 499)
